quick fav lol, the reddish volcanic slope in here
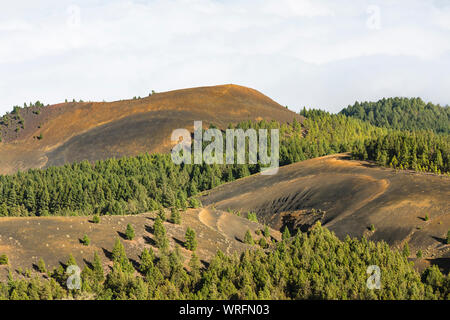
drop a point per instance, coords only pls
(98, 130)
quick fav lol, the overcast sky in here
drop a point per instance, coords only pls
(313, 53)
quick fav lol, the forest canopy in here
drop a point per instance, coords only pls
(402, 114)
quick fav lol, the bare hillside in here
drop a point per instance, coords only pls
(71, 132)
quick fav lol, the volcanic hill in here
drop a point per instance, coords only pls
(76, 131)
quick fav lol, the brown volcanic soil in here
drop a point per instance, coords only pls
(99, 130)
(353, 195)
(26, 240)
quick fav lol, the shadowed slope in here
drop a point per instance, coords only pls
(77, 131)
(347, 197)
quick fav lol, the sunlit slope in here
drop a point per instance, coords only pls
(99, 130)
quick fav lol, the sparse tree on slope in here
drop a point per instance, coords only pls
(191, 239)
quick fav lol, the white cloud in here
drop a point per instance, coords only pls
(441, 16)
(296, 51)
(14, 25)
(297, 8)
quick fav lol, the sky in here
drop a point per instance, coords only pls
(316, 53)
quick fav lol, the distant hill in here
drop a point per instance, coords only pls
(402, 114)
(38, 136)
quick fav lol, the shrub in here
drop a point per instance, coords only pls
(85, 240)
(96, 219)
(252, 217)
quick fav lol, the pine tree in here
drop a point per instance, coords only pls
(439, 161)
(163, 264)
(266, 231)
(194, 202)
(191, 240)
(286, 233)
(263, 243)
(406, 251)
(194, 266)
(98, 268)
(394, 162)
(3, 210)
(71, 261)
(175, 216)
(248, 238)
(159, 232)
(129, 233)
(146, 261)
(12, 197)
(41, 266)
(120, 257)
(162, 213)
(118, 251)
